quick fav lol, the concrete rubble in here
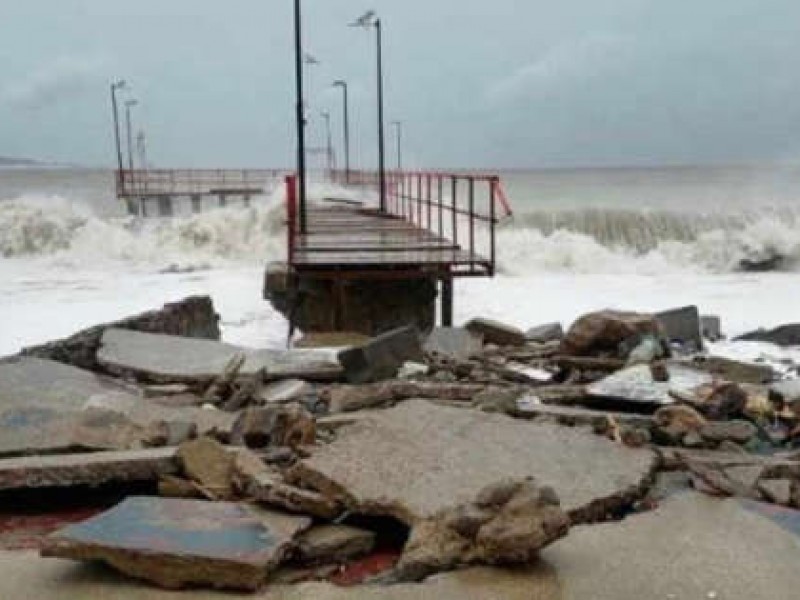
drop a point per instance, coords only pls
(476, 462)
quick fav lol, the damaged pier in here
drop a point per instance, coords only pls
(360, 269)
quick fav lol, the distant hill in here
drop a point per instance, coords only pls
(21, 162)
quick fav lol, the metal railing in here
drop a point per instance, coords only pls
(189, 182)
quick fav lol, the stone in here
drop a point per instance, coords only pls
(326, 544)
(542, 334)
(786, 392)
(159, 391)
(192, 317)
(283, 392)
(495, 332)
(573, 416)
(604, 331)
(676, 421)
(382, 356)
(682, 326)
(283, 425)
(417, 459)
(635, 385)
(645, 352)
(177, 543)
(726, 401)
(90, 469)
(711, 328)
(778, 491)
(457, 343)
(209, 464)
(171, 359)
(737, 431)
(507, 524)
(733, 370)
(170, 486)
(784, 335)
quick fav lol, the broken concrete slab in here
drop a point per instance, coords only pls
(331, 339)
(175, 543)
(457, 343)
(192, 317)
(283, 392)
(417, 459)
(209, 464)
(541, 334)
(635, 385)
(682, 326)
(333, 544)
(784, 335)
(495, 332)
(57, 579)
(711, 327)
(572, 416)
(733, 370)
(93, 469)
(716, 549)
(382, 356)
(171, 359)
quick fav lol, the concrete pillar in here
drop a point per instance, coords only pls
(133, 209)
(143, 206)
(197, 203)
(165, 207)
(223, 200)
(246, 200)
(447, 302)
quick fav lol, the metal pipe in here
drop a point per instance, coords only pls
(300, 114)
(398, 127)
(128, 105)
(343, 84)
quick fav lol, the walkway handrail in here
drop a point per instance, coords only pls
(130, 183)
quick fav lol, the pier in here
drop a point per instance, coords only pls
(357, 268)
(157, 192)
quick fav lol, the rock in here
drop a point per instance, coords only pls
(692, 439)
(711, 328)
(494, 332)
(778, 491)
(646, 351)
(456, 343)
(767, 259)
(635, 437)
(327, 544)
(177, 543)
(682, 325)
(785, 392)
(170, 486)
(158, 391)
(732, 370)
(735, 431)
(283, 425)
(507, 524)
(726, 401)
(283, 392)
(391, 463)
(604, 331)
(785, 335)
(91, 469)
(382, 356)
(171, 359)
(193, 317)
(635, 385)
(541, 334)
(209, 464)
(676, 421)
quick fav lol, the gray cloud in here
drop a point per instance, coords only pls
(59, 80)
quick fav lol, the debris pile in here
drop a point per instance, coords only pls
(441, 458)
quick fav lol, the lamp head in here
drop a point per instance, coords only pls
(366, 20)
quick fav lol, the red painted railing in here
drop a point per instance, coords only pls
(188, 182)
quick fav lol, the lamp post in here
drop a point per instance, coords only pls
(115, 86)
(343, 84)
(299, 115)
(398, 129)
(367, 20)
(328, 140)
(129, 104)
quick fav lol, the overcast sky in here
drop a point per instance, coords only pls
(478, 83)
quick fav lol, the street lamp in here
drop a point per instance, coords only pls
(299, 114)
(115, 86)
(343, 84)
(129, 104)
(367, 20)
(398, 129)
(328, 143)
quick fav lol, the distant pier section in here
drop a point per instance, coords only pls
(167, 192)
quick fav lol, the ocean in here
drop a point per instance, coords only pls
(579, 240)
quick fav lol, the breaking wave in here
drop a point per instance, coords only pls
(577, 241)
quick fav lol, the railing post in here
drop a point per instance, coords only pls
(492, 223)
(471, 198)
(419, 199)
(428, 200)
(440, 185)
(291, 215)
(455, 210)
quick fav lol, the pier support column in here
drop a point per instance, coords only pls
(165, 208)
(197, 203)
(246, 200)
(447, 301)
(143, 206)
(223, 200)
